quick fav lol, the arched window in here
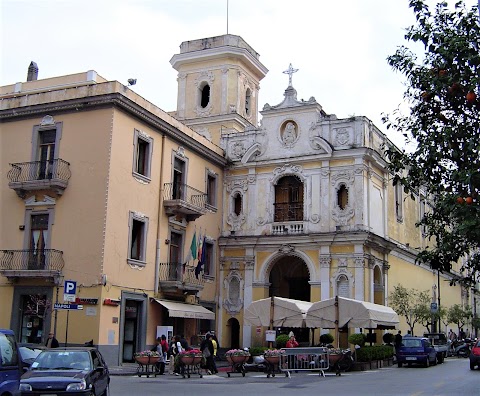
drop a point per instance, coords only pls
(342, 197)
(237, 204)
(289, 199)
(205, 96)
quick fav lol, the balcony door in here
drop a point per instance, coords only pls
(38, 241)
(46, 153)
(178, 179)
(175, 266)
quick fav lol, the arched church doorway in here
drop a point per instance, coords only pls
(289, 278)
(379, 297)
(233, 331)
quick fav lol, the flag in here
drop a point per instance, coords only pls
(193, 247)
(199, 250)
(202, 252)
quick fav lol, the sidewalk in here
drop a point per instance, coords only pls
(128, 369)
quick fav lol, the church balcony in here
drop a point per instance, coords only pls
(185, 201)
(288, 211)
(40, 263)
(288, 228)
(179, 276)
(52, 175)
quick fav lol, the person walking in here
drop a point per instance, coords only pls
(207, 351)
(398, 340)
(165, 347)
(52, 342)
(215, 349)
(160, 365)
(177, 349)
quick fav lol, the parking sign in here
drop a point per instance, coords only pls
(69, 291)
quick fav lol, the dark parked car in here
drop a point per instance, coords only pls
(475, 355)
(29, 354)
(67, 371)
(416, 350)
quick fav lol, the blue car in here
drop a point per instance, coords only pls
(416, 350)
(10, 363)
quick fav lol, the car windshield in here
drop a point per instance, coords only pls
(28, 353)
(412, 343)
(62, 360)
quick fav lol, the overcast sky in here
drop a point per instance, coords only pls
(339, 46)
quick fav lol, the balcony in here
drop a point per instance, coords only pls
(289, 228)
(51, 175)
(185, 201)
(179, 276)
(46, 263)
(288, 212)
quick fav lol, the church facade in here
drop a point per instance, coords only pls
(104, 188)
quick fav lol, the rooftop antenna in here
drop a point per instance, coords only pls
(227, 16)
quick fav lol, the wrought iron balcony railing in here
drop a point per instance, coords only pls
(36, 175)
(288, 211)
(182, 274)
(31, 260)
(185, 200)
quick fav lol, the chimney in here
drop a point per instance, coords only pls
(32, 72)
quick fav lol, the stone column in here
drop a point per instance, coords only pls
(359, 278)
(248, 298)
(182, 86)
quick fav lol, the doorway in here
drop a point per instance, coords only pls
(234, 332)
(289, 278)
(131, 329)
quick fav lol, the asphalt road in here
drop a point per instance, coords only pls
(454, 377)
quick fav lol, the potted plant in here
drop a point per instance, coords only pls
(326, 339)
(146, 357)
(272, 356)
(281, 340)
(237, 356)
(190, 357)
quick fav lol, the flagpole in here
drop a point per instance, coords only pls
(227, 15)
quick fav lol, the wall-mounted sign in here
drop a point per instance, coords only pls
(270, 335)
(112, 302)
(67, 306)
(86, 301)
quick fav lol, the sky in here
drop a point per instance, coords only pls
(338, 46)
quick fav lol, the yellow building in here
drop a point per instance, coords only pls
(102, 188)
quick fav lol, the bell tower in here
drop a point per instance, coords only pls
(218, 83)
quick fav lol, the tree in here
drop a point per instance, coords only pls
(410, 303)
(458, 315)
(443, 126)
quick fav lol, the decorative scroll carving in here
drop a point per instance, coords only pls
(181, 152)
(314, 218)
(286, 249)
(325, 261)
(237, 184)
(343, 136)
(47, 121)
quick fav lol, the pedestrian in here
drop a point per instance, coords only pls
(160, 365)
(451, 335)
(165, 347)
(177, 349)
(207, 351)
(398, 340)
(291, 343)
(215, 350)
(184, 343)
(461, 334)
(52, 342)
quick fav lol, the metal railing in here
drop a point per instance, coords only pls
(288, 211)
(183, 192)
(39, 170)
(180, 272)
(31, 260)
(304, 359)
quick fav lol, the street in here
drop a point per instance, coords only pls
(454, 377)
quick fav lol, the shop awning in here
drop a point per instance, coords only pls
(182, 310)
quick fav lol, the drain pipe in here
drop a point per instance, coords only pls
(160, 203)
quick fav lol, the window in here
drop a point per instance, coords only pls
(138, 225)
(175, 267)
(211, 189)
(178, 186)
(142, 155)
(205, 95)
(289, 199)
(343, 286)
(248, 98)
(208, 266)
(342, 197)
(45, 143)
(237, 204)
(38, 241)
(398, 201)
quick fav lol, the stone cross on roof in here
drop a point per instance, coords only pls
(290, 72)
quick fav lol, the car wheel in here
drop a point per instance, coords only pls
(427, 362)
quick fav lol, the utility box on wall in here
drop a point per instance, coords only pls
(165, 330)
